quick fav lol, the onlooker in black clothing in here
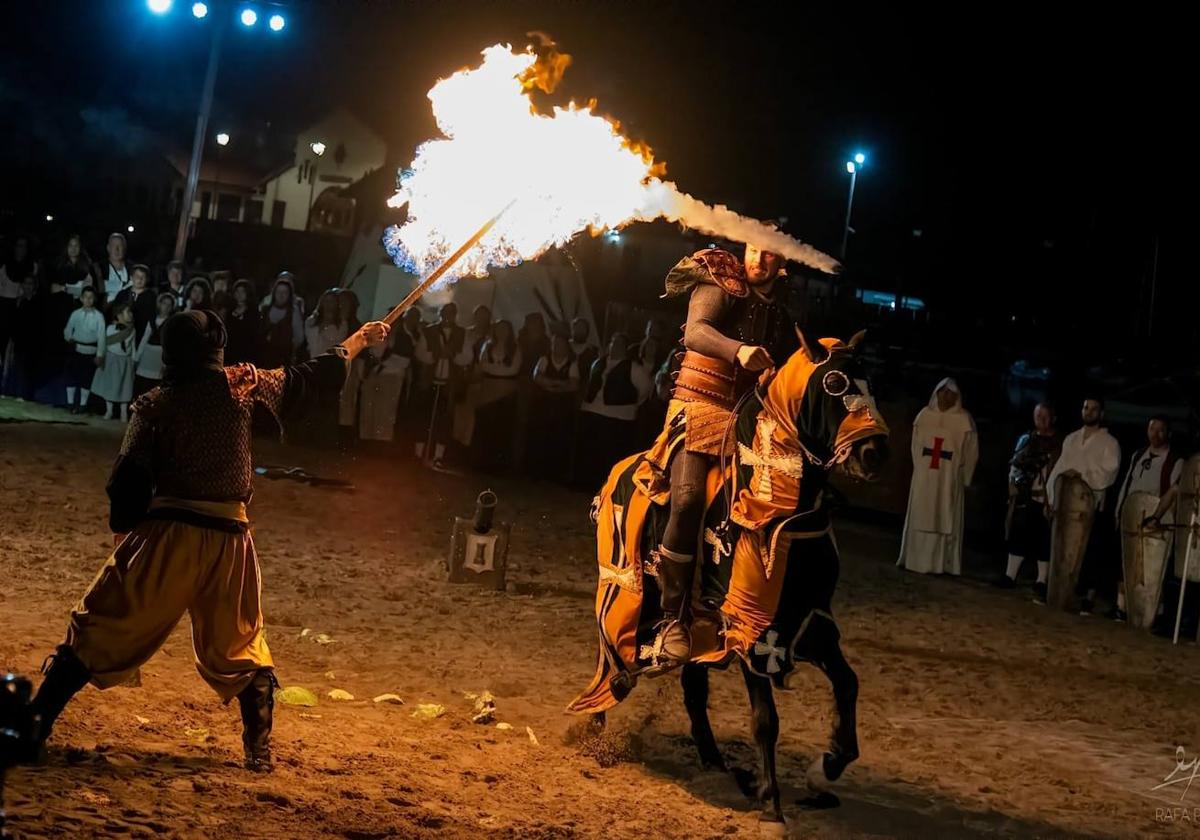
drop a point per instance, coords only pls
(480, 329)
(585, 350)
(534, 342)
(26, 340)
(281, 325)
(241, 326)
(553, 418)
(174, 284)
(142, 300)
(74, 269)
(221, 299)
(199, 294)
(54, 311)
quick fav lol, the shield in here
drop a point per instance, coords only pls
(1073, 517)
(1186, 504)
(1145, 553)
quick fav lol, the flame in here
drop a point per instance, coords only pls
(569, 170)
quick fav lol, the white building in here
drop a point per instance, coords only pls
(305, 194)
(330, 155)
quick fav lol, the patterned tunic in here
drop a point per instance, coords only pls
(192, 440)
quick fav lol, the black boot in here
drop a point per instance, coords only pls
(674, 643)
(258, 703)
(65, 676)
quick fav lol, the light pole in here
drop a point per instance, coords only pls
(200, 11)
(852, 166)
(318, 149)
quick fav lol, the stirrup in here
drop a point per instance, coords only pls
(660, 661)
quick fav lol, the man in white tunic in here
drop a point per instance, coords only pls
(944, 453)
(1154, 469)
(1095, 456)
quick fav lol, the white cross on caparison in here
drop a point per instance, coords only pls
(774, 654)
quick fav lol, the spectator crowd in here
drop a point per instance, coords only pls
(543, 398)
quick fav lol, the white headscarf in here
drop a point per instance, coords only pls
(950, 385)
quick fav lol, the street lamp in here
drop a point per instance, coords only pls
(318, 149)
(248, 17)
(852, 167)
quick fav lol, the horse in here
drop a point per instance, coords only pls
(768, 563)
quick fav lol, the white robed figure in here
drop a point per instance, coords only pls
(944, 453)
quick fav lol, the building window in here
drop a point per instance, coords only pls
(205, 203)
(254, 210)
(277, 211)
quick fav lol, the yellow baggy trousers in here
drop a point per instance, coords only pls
(161, 570)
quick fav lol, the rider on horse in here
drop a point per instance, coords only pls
(738, 325)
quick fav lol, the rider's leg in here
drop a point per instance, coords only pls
(689, 471)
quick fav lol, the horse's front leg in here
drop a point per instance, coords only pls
(821, 647)
(765, 724)
(695, 698)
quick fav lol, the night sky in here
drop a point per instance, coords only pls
(1038, 152)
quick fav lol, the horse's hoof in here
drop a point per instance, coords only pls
(822, 801)
(771, 824)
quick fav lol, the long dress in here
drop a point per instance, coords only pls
(114, 381)
(944, 453)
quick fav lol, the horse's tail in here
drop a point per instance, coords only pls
(619, 513)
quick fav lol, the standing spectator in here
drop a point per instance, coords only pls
(113, 380)
(944, 453)
(480, 329)
(26, 343)
(147, 372)
(448, 357)
(221, 301)
(411, 344)
(494, 407)
(534, 342)
(113, 276)
(655, 346)
(20, 262)
(1026, 528)
(324, 328)
(199, 294)
(10, 293)
(174, 284)
(54, 313)
(347, 302)
(1154, 469)
(281, 326)
(585, 350)
(242, 326)
(1094, 455)
(615, 389)
(142, 300)
(85, 334)
(553, 418)
(382, 387)
(74, 268)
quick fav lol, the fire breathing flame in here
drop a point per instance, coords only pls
(568, 171)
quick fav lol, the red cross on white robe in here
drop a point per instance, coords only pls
(937, 454)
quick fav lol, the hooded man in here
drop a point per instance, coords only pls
(944, 453)
(178, 494)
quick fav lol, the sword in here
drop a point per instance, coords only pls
(1183, 579)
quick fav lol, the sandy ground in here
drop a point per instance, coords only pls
(981, 714)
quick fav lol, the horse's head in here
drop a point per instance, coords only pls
(823, 390)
